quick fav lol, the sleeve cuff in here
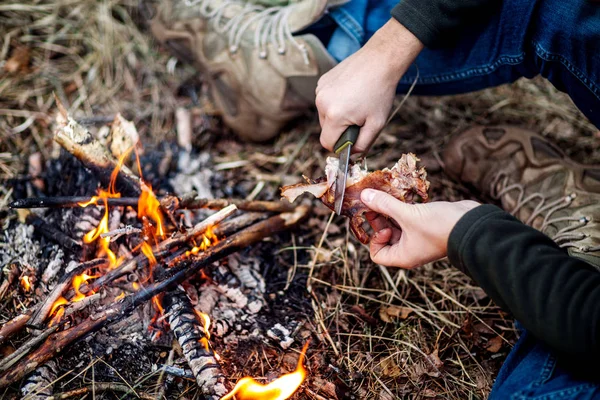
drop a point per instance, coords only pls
(417, 23)
(462, 232)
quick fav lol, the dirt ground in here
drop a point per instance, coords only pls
(383, 333)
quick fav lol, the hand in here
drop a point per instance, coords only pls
(422, 230)
(361, 89)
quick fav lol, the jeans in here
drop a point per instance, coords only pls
(558, 39)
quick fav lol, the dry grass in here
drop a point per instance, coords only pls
(99, 62)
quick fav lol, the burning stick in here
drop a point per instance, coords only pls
(193, 339)
(44, 308)
(59, 340)
(171, 203)
(79, 141)
(177, 240)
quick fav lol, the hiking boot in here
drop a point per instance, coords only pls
(535, 181)
(259, 74)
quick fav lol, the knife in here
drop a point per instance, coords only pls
(343, 148)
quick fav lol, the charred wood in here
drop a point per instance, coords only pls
(39, 385)
(192, 338)
(59, 340)
(78, 141)
(69, 202)
(44, 308)
(14, 325)
(176, 371)
(52, 233)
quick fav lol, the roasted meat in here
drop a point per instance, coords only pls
(403, 181)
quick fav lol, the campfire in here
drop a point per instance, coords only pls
(145, 250)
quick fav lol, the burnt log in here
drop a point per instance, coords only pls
(78, 141)
(193, 339)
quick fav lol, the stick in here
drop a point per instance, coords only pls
(44, 308)
(170, 203)
(193, 338)
(78, 141)
(70, 202)
(12, 358)
(11, 274)
(52, 233)
(176, 371)
(14, 325)
(59, 340)
(177, 240)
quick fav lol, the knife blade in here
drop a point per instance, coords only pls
(343, 147)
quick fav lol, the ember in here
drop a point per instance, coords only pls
(280, 389)
(25, 283)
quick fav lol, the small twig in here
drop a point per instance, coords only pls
(102, 387)
(22, 351)
(117, 233)
(52, 233)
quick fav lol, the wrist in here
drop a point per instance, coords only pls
(397, 45)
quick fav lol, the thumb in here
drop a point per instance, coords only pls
(384, 203)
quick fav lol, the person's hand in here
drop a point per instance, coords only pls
(361, 89)
(416, 234)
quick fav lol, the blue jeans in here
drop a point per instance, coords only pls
(558, 39)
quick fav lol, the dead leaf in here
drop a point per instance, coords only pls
(19, 60)
(389, 313)
(494, 345)
(390, 368)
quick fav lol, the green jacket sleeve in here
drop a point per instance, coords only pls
(437, 23)
(555, 296)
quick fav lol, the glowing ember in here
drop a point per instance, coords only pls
(121, 296)
(77, 281)
(147, 250)
(280, 389)
(149, 206)
(25, 283)
(135, 286)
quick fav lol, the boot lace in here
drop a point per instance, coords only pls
(271, 25)
(565, 237)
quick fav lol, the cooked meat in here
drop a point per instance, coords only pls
(403, 181)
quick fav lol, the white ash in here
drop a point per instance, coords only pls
(71, 266)
(18, 245)
(281, 334)
(194, 175)
(209, 295)
(39, 385)
(247, 273)
(54, 266)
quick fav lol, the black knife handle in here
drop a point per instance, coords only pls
(348, 138)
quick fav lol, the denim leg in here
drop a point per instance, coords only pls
(532, 371)
(558, 39)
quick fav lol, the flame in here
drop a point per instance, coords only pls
(147, 250)
(135, 286)
(149, 206)
(281, 388)
(157, 305)
(25, 283)
(208, 239)
(205, 322)
(93, 200)
(77, 281)
(61, 301)
(121, 296)
(102, 227)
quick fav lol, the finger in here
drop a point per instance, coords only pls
(384, 203)
(368, 133)
(377, 221)
(379, 240)
(331, 131)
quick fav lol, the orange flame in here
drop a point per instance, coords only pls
(77, 281)
(205, 322)
(208, 239)
(121, 296)
(157, 305)
(280, 389)
(61, 301)
(135, 286)
(149, 206)
(147, 250)
(25, 283)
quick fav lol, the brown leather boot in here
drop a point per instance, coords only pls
(535, 181)
(260, 75)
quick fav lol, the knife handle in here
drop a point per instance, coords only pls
(348, 138)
